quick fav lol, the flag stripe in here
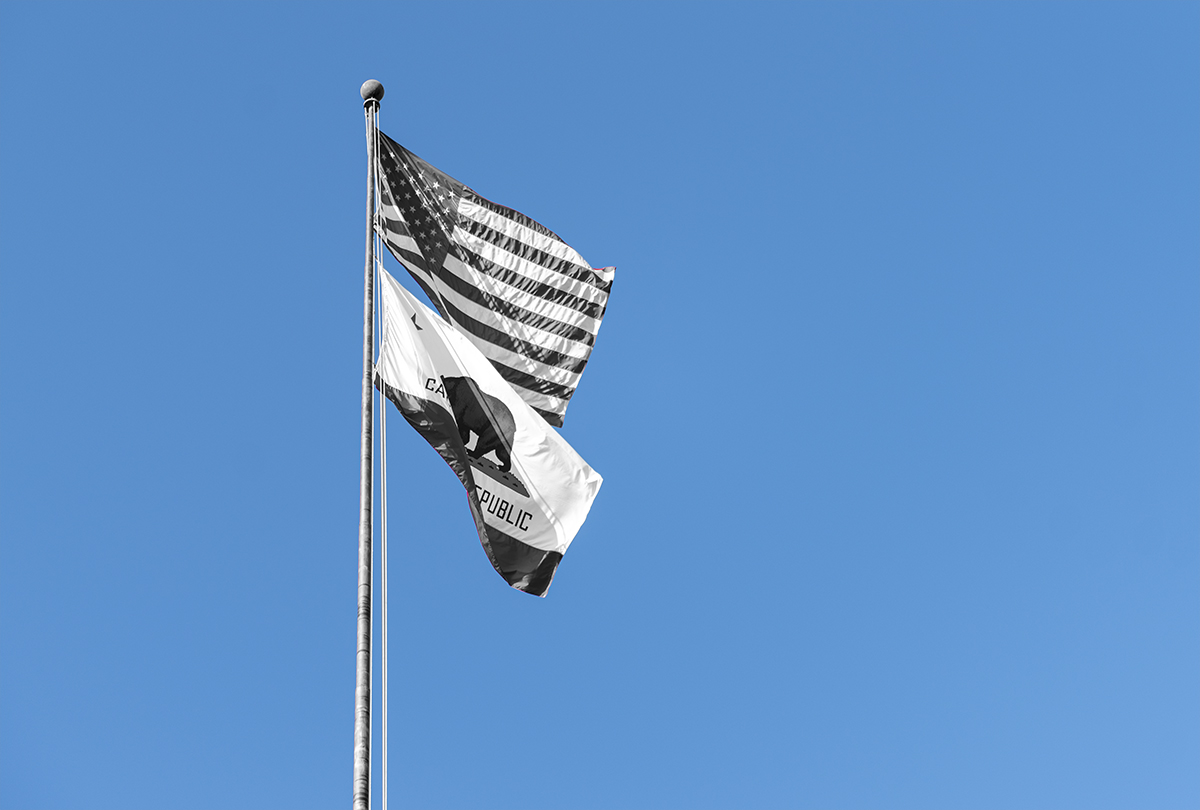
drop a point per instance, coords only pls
(535, 384)
(547, 315)
(509, 236)
(523, 275)
(576, 344)
(582, 295)
(544, 356)
(396, 235)
(554, 419)
(546, 397)
(405, 257)
(561, 337)
(527, 300)
(559, 381)
(516, 329)
(556, 256)
(515, 216)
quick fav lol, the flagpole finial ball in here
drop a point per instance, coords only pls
(371, 90)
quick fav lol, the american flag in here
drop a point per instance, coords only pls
(520, 293)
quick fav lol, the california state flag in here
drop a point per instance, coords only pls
(528, 490)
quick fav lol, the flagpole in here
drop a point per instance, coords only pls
(372, 92)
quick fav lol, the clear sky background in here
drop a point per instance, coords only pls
(896, 403)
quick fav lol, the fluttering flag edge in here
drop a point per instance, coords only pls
(528, 569)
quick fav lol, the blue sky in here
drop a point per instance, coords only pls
(896, 404)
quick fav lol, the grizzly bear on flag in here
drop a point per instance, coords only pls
(478, 412)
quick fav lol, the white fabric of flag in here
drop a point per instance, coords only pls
(527, 300)
(528, 490)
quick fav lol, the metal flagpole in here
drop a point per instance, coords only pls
(372, 92)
